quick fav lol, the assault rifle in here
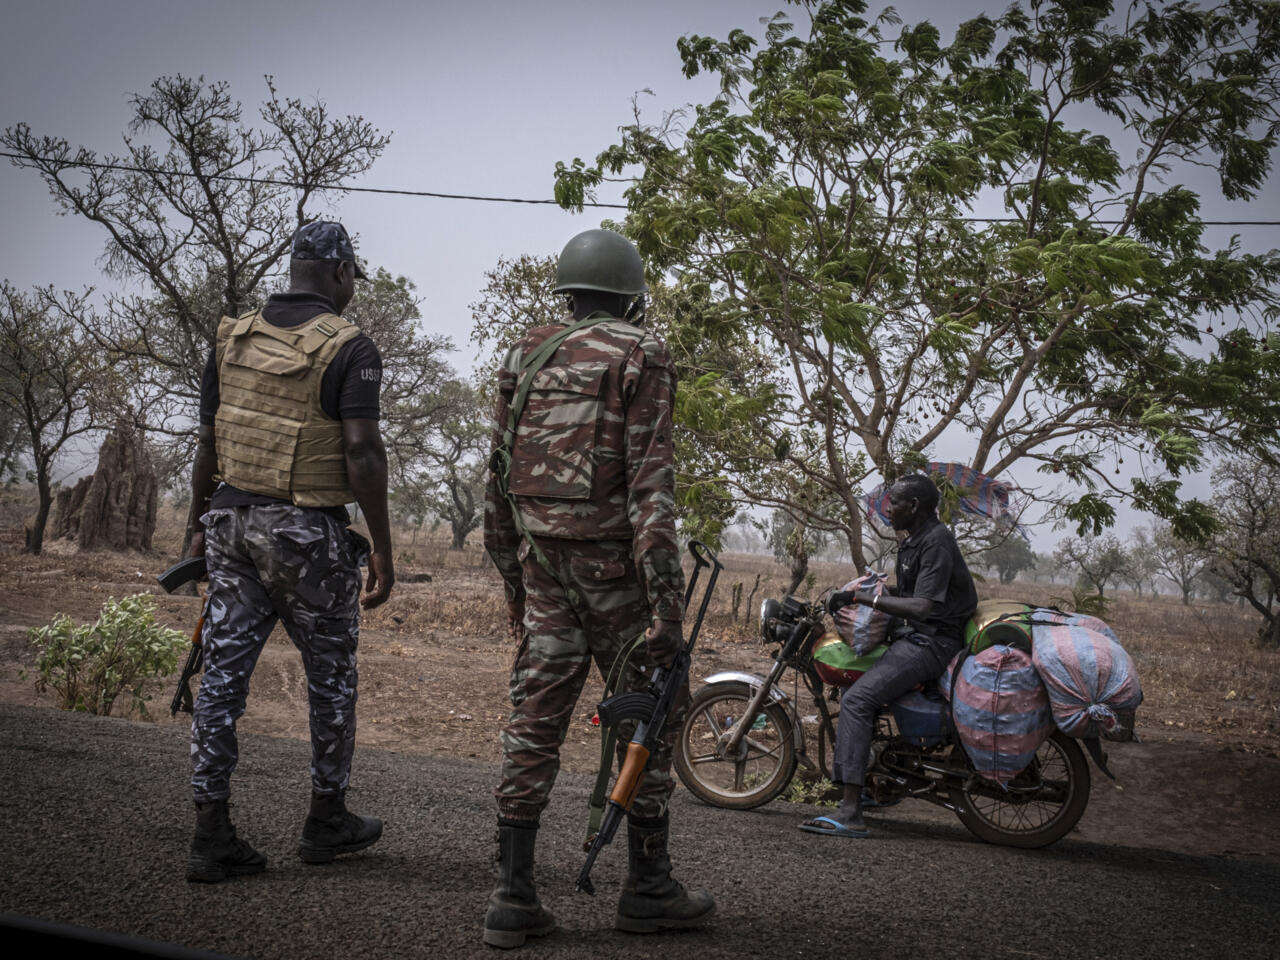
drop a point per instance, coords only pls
(180, 574)
(650, 707)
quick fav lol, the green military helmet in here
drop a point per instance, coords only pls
(600, 260)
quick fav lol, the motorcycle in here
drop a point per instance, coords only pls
(744, 739)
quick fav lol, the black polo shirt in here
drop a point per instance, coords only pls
(349, 389)
(930, 565)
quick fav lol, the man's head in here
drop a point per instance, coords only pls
(600, 270)
(323, 261)
(912, 499)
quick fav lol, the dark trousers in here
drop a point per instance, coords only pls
(272, 563)
(905, 664)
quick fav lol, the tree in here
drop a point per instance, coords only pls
(1099, 559)
(50, 380)
(1246, 548)
(1010, 557)
(822, 203)
(515, 298)
(1141, 563)
(189, 209)
(1179, 561)
(460, 462)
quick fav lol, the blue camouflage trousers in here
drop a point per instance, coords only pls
(299, 566)
(560, 639)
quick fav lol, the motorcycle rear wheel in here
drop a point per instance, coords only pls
(766, 760)
(1035, 818)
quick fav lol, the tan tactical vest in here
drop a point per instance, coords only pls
(273, 437)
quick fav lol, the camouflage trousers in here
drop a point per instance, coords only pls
(299, 566)
(560, 639)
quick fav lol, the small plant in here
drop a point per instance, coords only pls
(89, 666)
(819, 792)
(1080, 601)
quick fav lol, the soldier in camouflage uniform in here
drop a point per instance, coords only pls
(580, 521)
(289, 424)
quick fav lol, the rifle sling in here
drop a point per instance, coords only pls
(609, 736)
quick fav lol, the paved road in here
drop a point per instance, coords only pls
(97, 821)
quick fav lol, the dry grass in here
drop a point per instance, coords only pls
(1202, 671)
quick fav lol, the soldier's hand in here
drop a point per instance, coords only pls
(515, 618)
(664, 640)
(382, 576)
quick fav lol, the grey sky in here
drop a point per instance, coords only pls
(482, 97)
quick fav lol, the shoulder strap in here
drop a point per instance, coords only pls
(500, 462)
(531, 364)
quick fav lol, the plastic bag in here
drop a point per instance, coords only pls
(862, 627)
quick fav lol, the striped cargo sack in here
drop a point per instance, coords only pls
(862, 627)
(1092, 684)
(1000, 709)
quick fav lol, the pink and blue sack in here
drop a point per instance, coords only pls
(862, 627)
(1092, 683)
(1000, 709)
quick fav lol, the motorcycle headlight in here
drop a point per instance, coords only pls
(769, 611)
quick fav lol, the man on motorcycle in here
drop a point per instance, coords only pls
(933, 598)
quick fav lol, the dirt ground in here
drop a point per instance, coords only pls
(1205, 780)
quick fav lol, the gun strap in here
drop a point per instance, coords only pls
(500, 463)
(609, 736)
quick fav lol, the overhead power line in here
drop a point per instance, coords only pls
(127, 168)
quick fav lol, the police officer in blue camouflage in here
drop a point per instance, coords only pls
(289, 408)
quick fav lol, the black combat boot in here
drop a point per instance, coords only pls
(651, 899)
(514, 911)
(331, 829)
(216, 851)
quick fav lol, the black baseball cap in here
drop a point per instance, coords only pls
(325, 240)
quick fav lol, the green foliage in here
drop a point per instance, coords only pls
(89, 666)
(820, 792)
(1010, 557)
(819, 207)
(1082, 601)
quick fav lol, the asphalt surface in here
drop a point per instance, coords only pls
(97, 821)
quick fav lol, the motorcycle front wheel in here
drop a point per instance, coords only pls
(761, 768)
(1042, 804)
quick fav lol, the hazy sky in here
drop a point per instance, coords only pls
(481, 97)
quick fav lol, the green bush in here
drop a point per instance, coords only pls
(91, 665)
(820, 792)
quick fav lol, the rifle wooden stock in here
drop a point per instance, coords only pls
(628, 783)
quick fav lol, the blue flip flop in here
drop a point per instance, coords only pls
(832, 828)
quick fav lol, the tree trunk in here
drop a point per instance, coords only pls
(1270, 634)
(35, 532)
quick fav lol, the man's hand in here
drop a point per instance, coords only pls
(840, 600)
(197, 544)
(664, 640)
(382, 576)
(865, 595)
(515, 618)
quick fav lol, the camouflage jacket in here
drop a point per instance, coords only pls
(592, 458)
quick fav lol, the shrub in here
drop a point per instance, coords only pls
(91, 665)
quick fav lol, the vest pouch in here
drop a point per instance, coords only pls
(553, 454)
(266, 354)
